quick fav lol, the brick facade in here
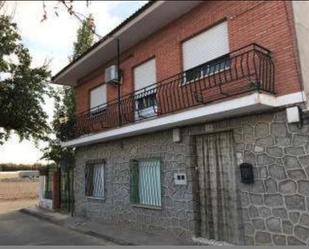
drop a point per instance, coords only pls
(266, 23)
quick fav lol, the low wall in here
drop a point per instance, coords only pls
(43, 202)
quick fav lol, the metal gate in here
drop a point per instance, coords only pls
(66, 190)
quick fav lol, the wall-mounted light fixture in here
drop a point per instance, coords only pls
(294, 115)
(176, 135)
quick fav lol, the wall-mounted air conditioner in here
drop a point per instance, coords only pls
(111, 75)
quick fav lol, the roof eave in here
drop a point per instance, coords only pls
(146, 15)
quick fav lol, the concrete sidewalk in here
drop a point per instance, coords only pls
(120, 235)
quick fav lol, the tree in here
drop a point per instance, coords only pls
(22, 88)
(64, 114)
(85, 37)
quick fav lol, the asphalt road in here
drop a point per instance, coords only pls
(17, 228)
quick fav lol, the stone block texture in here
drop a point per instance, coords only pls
(177, 213)
(274, 210)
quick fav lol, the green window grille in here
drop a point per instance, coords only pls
(145, 182)
(94, 178)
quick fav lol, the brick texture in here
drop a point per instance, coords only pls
(265, 23)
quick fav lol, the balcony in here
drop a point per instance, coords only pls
(249, 69)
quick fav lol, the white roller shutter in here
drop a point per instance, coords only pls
(206, 46)
(98, 96)
(145, 74)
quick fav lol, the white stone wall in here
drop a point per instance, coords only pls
(44, 203)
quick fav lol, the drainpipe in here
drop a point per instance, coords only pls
(118, 81)
(71, 192)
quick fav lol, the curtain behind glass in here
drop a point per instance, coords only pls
(98, 181)
(217, 179)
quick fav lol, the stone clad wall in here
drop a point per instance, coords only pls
(176, 215)
(274, 210)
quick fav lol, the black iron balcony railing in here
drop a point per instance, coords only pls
(245, 70)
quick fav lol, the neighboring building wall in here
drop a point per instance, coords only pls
(274, 209)
(267, 23)
(43, 202)
(301, 21)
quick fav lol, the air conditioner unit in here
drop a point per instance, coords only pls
(111, 75)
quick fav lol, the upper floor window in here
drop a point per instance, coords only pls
(145, 98)
(210, 46)
(98, 99)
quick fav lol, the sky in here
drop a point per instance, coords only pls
(52, 40)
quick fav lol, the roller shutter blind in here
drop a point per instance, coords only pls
(98, 96)
(145, 74)
(206, 46)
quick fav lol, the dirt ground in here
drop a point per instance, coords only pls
(17, 193)
(8, 175)
(16, 189)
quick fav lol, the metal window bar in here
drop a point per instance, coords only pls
(94, 177)
(244, 70)
(149, 186)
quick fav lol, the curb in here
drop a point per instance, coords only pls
(106, 237)
(88, 232)
(41, 216)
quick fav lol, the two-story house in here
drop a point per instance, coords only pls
(201, 133)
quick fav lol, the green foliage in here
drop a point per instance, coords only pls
(63, 123)
(22, 88)
(56, 153)
(85, 38)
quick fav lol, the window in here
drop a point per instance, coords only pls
(94, 176)
(145, 99)
(210, 46)
(145, 182)
(207, 69)
(98, 99)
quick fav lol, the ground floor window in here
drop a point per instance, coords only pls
(94, 178)
(145, 182)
